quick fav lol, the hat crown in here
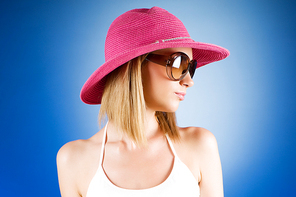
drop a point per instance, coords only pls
(142, 27)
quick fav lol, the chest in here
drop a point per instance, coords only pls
(140, 169)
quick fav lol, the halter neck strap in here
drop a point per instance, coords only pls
(103, 144)
(171, 145)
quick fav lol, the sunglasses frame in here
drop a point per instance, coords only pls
(167, 61)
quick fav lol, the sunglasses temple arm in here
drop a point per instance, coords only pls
(157, 59)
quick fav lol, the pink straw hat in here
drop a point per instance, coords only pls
(141, 31)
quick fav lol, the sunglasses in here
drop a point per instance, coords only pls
(177, 64)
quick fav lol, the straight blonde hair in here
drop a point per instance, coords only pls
(124, 104)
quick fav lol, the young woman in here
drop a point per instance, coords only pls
(150, 62)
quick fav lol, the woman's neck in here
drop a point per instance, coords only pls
(152, 130)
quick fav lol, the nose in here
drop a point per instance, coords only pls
(187, 81)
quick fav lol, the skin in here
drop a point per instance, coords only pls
(77, 161)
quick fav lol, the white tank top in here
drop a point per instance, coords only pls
(180, 182)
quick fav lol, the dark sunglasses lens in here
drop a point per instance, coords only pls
(192, 69)
(179, 66)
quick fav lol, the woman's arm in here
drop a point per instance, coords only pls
(66, 171)
(199, 151)
(211, 184)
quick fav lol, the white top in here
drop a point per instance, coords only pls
(180, 182)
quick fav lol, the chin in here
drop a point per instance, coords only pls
(170, 108)
(164, 106)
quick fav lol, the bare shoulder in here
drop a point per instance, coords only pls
(70, 153)
(77, 162)
(198, 138)
(201, 155)
(195, 148)
(75, 151)
(79, 153)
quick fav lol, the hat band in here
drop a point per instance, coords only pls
(165, 40)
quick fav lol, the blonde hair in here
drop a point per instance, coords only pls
(123, 103)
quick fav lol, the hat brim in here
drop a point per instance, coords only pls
(203, 53)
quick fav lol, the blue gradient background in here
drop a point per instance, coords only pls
(49, 48)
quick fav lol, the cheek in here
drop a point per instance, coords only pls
(159, 89)
(153, 80)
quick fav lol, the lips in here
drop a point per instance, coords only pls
(181, 95)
